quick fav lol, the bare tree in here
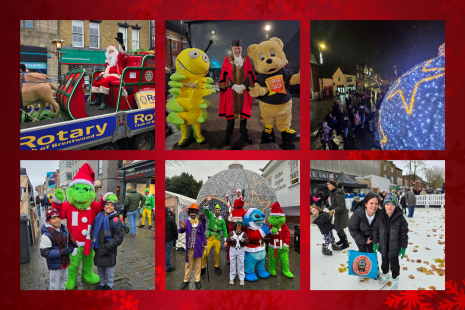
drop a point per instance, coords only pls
(172, 163)
(413, 167)
(435, 176)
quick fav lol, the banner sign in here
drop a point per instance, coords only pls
(69, 134)
(142, 118)
(363, 264)
(51, 179)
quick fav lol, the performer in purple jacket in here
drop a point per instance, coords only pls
(196, 242)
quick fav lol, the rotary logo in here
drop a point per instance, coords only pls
(148, 75)
(362, 265)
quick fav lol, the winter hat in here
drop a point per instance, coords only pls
(276, 209)
(85, 175)
(390, 198)
(376, 185)
(52, 213)
(105, 198)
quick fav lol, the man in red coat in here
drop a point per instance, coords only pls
(235, 102)
(114, 65)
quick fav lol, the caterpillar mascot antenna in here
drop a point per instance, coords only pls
(189, 86)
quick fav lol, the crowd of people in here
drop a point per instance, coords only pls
(362, 110)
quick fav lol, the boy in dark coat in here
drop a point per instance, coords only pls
(107, 234)
(390, 238)
(56, 244)
(323, 220)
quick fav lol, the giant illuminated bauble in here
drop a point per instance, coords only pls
(258, 192)
(412, 115)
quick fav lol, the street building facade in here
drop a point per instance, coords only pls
(390, 171)
(138, 174)
(173, 46)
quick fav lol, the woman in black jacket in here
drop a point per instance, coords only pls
(362, 223)
(107, 235)
(341, 216)
(403, 203)
(390, 238)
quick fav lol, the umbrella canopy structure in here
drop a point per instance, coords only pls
(344, 181)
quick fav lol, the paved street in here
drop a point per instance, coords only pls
(361, 140)
(215, 128)
(134, 270)
(175, 278)
(426, 240)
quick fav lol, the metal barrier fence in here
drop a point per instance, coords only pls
(421, 200)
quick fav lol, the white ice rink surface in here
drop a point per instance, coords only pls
(325, 275)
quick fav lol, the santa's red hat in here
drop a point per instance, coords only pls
(85, 175)
(276, 209)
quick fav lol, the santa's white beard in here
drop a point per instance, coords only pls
(238, 61)
(112, 59)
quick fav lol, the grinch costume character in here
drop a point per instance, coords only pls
(255, 251)
(216, 225)
(279, 241)
(80, 211)
(114, 65)
(235, 102)
(236, 211)
(147, 209)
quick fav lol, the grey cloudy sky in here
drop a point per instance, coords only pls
(37, 169)
(428, 163)
(202, 169)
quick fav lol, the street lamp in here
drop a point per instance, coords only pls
(322, 46)
(213, 32)
(58, 45)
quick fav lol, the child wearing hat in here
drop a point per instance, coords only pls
(237, 239)
(147, 209)
(323, 220)
(196, 243)
(390, 238)
(107, 235)
(216, 225)
(56, 244)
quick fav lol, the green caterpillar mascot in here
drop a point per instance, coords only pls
(280, 237)
(80, 210)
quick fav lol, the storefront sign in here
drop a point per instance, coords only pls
(140, 172)
(35, 65)
(87, 57)
(323, 175)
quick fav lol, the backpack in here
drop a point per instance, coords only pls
(115, 221)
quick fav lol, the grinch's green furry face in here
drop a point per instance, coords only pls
(277, 221)
(80, 195)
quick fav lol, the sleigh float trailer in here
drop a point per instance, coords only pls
(127, 126)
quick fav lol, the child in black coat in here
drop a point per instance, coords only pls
(390, 238)
(323, 220)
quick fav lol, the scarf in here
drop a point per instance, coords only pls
(101, 218)
(56, 236)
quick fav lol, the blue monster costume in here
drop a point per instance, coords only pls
(255, 251)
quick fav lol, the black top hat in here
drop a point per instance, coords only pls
(23, 67)
(236, 42)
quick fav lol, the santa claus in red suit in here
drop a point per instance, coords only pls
(236, 211)
(114, 65)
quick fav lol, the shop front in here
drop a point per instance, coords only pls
(139, 175)
(34, 58)
(87, 59)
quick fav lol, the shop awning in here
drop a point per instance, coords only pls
(344, 180)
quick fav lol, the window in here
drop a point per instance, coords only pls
(384, 166)
(358, 67)
(28, 24)
(124, 31)
(94, 32)
(349, 79)
(135, 39)
(100, 167)
(78, 33)
(358, 76)
(294, 171)
(339, 79)
(385, 176)
(175, 45)
(392, 170)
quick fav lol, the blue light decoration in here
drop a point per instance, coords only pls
(412, 115)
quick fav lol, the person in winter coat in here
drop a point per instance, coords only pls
(411, 201)
(45, 202)
(38, 204)
(171, 234)
(390, 238)
(326, 131)
(362, 223)
(107, 234)
(403, 203)
(375, 190)
(196, 243)
(356, 120)
(341, 216)
(132, 203)
(56, 244)
(345, 126)
(321, 133)
(323, 220)
(354, 203)
(237, 239)
(331, 120)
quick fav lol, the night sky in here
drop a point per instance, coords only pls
(379, 44)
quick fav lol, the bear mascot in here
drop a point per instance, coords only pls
(255, 251)
(80, 210)
(272, 89)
